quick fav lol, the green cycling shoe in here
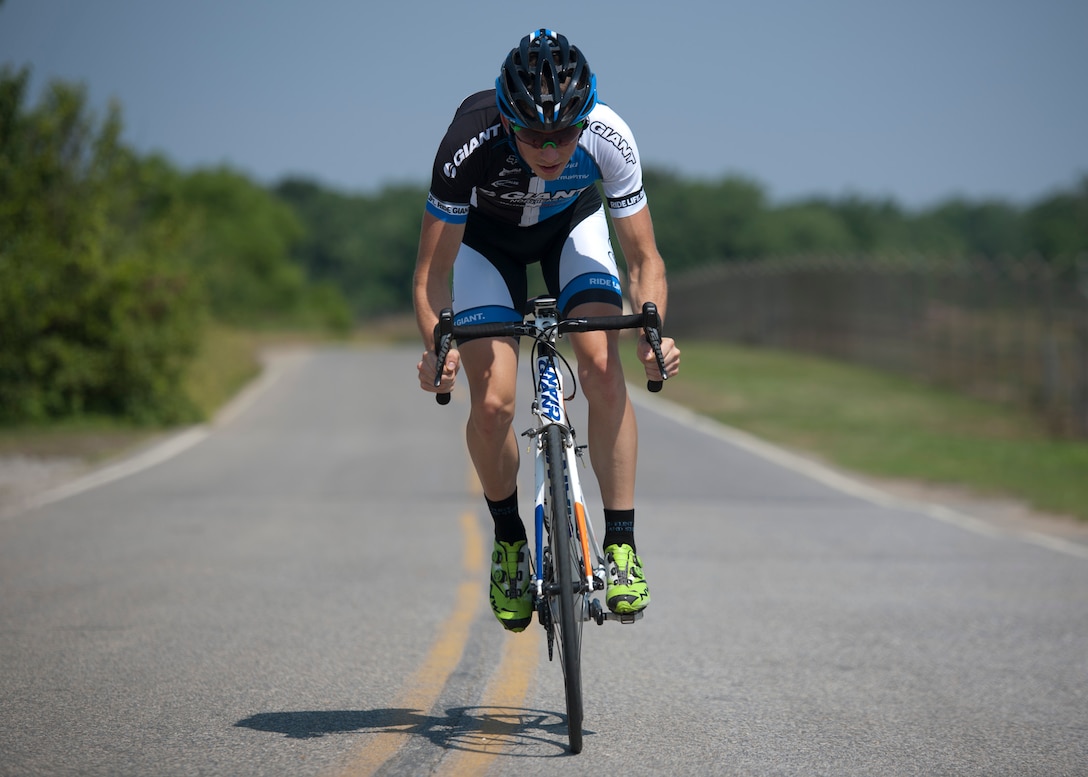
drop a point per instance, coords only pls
(627, 592)
(511, 598)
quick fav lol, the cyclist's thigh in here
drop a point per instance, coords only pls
(491, 366)
(587, 270)
(590, 286)
(484, 293)
(597, 351)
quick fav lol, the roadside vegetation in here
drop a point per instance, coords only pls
(115, 268)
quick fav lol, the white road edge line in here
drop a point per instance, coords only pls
(165, 450)
(844, 483)
(273, 369)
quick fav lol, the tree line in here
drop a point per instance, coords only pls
(731, 219)
(112, 263)
(365, 244)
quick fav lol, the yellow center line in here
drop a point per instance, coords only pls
(425, 685)
(505, 693)
(503, 701)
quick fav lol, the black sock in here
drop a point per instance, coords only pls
(508, 525)
(619, 527)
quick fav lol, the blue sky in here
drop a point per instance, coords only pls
(918, 101)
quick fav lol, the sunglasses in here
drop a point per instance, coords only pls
(536, 139)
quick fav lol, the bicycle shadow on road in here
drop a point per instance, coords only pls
(473, 729)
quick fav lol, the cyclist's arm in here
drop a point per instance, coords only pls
(439, 242)
(646, 282)
(645, 267)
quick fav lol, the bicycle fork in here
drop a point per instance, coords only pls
(591, 573)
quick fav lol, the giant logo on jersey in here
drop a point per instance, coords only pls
(465, 151)
(615, 138)
(530, 199)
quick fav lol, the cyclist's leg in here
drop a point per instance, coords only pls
(613, 431)
(484, 292)
(490, 366)
(590, 286)
(481, 291)
(586, 267)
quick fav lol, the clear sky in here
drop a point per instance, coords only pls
(917, 100)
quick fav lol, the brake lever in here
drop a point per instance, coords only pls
(652, 329)
(443, 338)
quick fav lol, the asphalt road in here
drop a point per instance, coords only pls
(299, 589)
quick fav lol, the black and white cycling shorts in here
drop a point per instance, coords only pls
(490, 282)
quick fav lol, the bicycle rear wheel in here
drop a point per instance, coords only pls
(566, 598)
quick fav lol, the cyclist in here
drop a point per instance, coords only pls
(513, 183)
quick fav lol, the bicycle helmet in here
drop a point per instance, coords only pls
(545, 84)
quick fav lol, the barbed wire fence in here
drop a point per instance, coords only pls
(1011, 330)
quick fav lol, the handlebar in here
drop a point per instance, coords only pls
(445, 331)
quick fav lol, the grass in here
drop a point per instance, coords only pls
(228, 359)
(884, 425)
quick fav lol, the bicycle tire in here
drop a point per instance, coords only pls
(566, 600)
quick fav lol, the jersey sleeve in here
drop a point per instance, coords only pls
(456, 167)
(613, 146)
(448, 199)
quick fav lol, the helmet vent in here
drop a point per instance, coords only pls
(545, 83)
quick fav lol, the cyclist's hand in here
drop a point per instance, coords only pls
(668, 350)
(427, 371)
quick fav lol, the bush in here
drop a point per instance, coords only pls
(96, 313)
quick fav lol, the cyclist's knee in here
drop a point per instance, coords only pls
(600, 372)
(492, 412)
(490, 366)
(601, 376)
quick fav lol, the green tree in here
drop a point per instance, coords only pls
(701, 222)
(874, 225)
(245, 238)
(990, 228)
(244, 254)
(94, 315)
(1057, 226)
(804, 228)
(365, 245)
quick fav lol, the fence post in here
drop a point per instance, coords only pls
(1080, 328)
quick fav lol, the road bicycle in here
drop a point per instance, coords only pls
(568, 563)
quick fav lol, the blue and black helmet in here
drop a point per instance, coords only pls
(545, 83)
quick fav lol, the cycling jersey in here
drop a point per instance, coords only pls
(479, 171)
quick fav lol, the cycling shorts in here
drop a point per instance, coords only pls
(490, 282)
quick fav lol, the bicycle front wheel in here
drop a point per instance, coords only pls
(566, 598)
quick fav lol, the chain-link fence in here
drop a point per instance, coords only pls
(1011, 330)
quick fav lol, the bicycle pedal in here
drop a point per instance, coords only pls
(599, 614)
